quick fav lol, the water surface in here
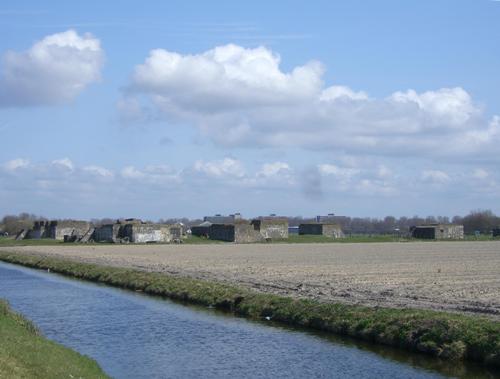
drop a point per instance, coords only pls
(137, 336)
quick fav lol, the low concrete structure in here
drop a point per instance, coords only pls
(58, 229)
(107, 233)
(272, 227)
(438, 231)
(248, 231)
(39, 230)
(242, 231)
(136, 231)
(201, 230)
(149, 232)
(321, 228)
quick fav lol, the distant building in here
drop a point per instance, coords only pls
(322, 228)
(438, 231)
(330, 218)
(219, 219)
(496, 232)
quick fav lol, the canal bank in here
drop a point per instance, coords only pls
(25, 353)
(447, 336)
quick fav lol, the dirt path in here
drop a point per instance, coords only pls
(452, 276)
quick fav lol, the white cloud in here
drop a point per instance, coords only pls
(341, 92)
(53, 71)
(480, 173)
(448, 106)
(98, 171)
(375, 188)
(339, 172)
(273, 169)
(16, 164)
(435, 176)
(130, 172)
(227, 167)
(221, 78)
(64, 163)
(241, 97)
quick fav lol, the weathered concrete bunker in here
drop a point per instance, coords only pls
(128, 230)
(136, 231)
(321, 228)
(248, 231)
(58, 229)
(438, 231)
(272, 228)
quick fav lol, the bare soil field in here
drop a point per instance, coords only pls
(450, 276)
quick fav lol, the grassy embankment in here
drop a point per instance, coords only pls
(444, 335)
(24, 353)
(293, 238)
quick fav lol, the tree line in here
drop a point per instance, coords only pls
(482, 221)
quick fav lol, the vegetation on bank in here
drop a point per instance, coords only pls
(293, 238)
(444, 335)
(24, 353)
(10, 241)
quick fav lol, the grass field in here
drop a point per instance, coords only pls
(293, 238)
(24, 353)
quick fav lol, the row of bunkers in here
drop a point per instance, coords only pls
(122, 231)
(232, 228)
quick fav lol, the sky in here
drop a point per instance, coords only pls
(190, 108)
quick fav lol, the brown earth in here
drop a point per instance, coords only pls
(451, 276)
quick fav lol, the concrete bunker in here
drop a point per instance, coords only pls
(248, 231)
(322, 229)
(438, 231)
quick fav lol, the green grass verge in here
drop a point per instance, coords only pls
(309, 238)
(10, 241)
(24, 353)
(293, 238)
(444, 335)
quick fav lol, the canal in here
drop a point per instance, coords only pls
(136, 336)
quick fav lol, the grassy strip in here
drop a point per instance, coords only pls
(24, 353)
(444, 335)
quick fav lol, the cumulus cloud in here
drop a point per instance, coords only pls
(155, 174)
(210, 183)
(241, 97)
(435, 176)
(64, 164)
(227, 167)
(53, 71)
(16, 164)
(274, 169)
(98, 171)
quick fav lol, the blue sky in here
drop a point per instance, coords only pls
(298, 108)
